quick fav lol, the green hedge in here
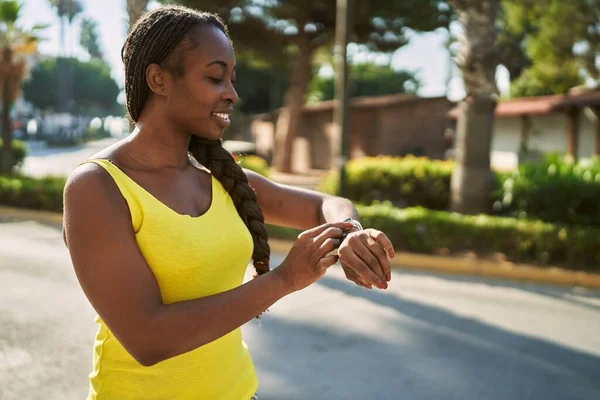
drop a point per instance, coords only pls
(425, 231)
(39, 194)
(411, 229)
(552, 190)
(19, 151)
(406, 182)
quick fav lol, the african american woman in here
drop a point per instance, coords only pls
(161, 225)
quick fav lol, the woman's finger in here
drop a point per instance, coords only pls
(328, 245)
(353, 276)
(360, 246)
(354, 262)
(383, 240)
(316, 231)
(329, 233)
(379, 252)
(325, 263)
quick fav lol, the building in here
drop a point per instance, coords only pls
(394, 125)
(566, 124)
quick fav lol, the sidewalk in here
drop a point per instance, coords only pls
(409, 261)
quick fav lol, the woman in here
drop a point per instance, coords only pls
(161, 225)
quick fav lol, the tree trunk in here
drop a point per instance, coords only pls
(7, 156)
(573, 132)
(135, 9)
(288, 122)
(596, 111)
(61, 64)
(472, 180)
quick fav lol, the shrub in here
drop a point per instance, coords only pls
(19, 151)
(425, 231)
(40, 194)
(253, 163)
(405, 182)
(90, 134)
(553, 190)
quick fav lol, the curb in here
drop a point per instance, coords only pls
(410, 261)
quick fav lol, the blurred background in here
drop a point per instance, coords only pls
(467, 130)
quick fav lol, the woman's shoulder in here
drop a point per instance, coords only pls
(90, 173)
(91, 182)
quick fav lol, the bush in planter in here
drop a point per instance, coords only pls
(40, 194)
(425, 231)
(532, 241)
(408, 181)
(553, 190)
(19, 151)
(90, 134)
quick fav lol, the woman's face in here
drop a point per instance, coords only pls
(201, 101)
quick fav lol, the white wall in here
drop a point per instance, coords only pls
(548, 133)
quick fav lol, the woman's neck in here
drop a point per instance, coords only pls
(158, 146)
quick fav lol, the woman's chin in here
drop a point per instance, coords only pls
(209, 135)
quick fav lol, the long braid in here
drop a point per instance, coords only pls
(153, 39)
(222, 165)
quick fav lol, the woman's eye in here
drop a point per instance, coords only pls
(215, 80)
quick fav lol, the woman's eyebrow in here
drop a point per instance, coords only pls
(221, 63)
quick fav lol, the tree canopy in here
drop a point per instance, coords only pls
(549, 46)
(90, 39)
(367, 79)
(95, 91)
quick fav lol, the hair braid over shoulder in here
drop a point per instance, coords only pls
(221, 163)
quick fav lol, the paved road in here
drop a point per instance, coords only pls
(61, 161)
(427, 337)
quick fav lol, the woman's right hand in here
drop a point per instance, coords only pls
(308, 259)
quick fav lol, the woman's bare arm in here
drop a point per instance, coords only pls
(122, 289)
(299, 208)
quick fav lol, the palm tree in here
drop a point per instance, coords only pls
(472, 180)
(74, 8)
(66, 10)
(135, 9)
(62, 7)
(16, 46)
(89, 38)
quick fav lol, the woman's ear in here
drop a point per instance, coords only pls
(156, 79)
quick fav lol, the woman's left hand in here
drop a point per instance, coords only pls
(364, 258)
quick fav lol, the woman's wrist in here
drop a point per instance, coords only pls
(356, 225)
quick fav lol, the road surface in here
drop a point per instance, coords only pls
(61, 161)
(426, 337)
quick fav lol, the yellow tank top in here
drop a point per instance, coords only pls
(191, 258)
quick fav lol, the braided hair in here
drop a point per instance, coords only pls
(155, 39)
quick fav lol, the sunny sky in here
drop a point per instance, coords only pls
(425, 54)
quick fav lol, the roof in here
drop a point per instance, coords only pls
(542, 105)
